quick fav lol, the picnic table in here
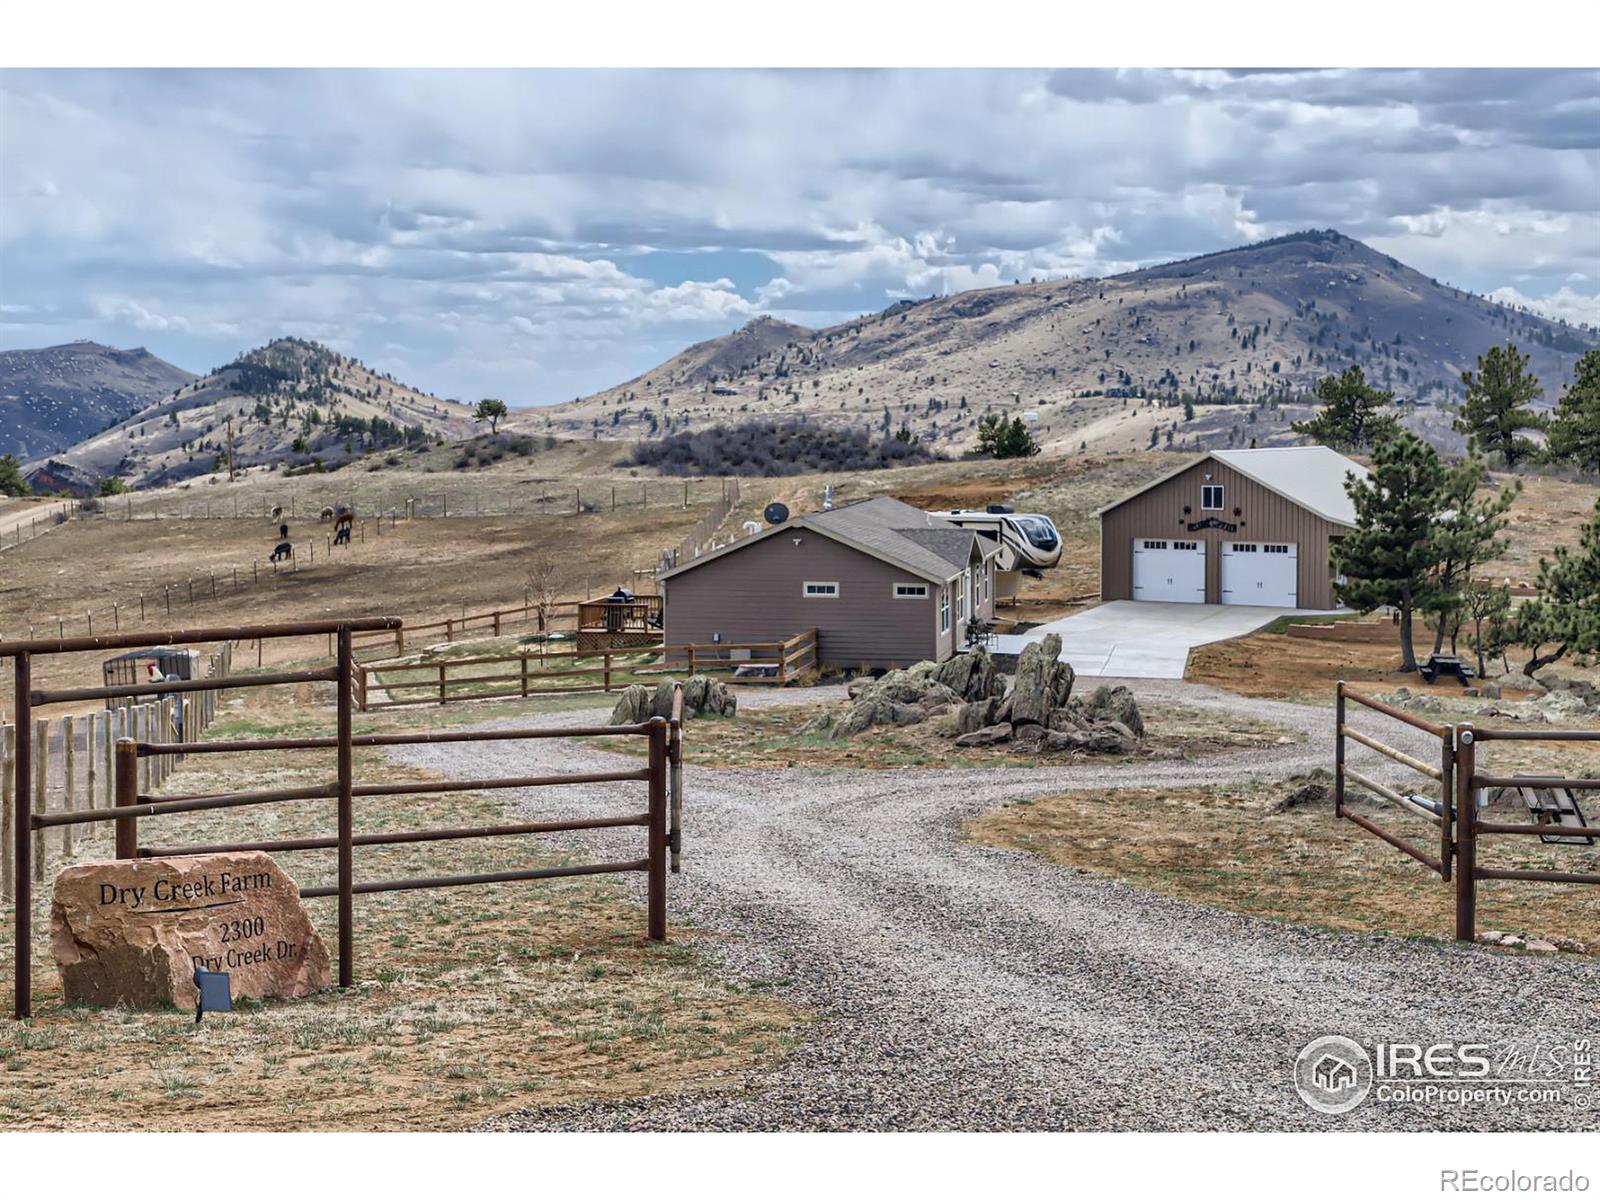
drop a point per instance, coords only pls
(1445, 664)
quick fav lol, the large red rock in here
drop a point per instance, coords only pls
(132, 931)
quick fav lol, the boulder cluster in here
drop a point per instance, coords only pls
(1557, 699)
(1037, 712)
(918, 692)
(701, 695)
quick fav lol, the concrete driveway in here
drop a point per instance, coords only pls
(1144, 639)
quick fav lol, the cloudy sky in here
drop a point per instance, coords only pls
(535, 235)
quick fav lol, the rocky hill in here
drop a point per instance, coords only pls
(54, 397)
(1108, 363)
(289, 404)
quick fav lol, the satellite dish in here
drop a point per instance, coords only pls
(775, 513)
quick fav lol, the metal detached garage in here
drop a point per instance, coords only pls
(1237, 527)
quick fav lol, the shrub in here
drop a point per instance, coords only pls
(775, 448)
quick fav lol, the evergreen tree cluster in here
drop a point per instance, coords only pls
(773, 448)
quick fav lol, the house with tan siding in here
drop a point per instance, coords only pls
(1234, 527)
(884, 584)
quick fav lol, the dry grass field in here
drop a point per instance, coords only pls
(419, 570)
(470, 1001)
(773, 736)
(1228, 847)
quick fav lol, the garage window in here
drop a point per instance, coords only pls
(1269, 549)
(1154, 544)
(821, 591)
(1185, 545)
(1244, 547)
(1211, 497)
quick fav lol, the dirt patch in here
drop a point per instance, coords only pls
(771, 737)
(1288, 668)
(1226, 847)
(470, 1001)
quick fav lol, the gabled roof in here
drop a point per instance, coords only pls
(918, 542)
(1309, 476)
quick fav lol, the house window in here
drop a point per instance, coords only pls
(961, 596)
(1211, 497)
(821, 590)
(910, 591)
(944, 610)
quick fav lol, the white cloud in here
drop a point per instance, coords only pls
(1563, 304)
(543, 233)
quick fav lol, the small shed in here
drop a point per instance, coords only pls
(132, 667)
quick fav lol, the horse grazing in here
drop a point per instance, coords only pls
(277, 512)
(342, 526)
(282, 551)
(327, 513)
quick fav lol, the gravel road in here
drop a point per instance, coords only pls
(962, 987)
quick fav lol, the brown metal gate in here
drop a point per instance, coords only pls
(1460, 789)
(661, 773)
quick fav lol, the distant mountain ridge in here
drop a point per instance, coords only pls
(289, 403)
(55, 396)
(1258, 324)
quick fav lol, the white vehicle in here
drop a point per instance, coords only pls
(1028, 541)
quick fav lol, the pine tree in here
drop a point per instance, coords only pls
(1496, 409)
(1005, 439)
(11, 481)
(1391, 556)
(1488, 607)
(1566, 613)
(1575, 425)
(1351, 416)
(1465, 536)
(491, 411)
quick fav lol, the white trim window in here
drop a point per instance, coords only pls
(813, 590)
(1211, 497)
(944, 610)
(910, 591)
(961, 596)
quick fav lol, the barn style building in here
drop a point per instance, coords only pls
(1236, 527)
(884, 584)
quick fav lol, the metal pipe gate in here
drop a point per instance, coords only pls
(1461, 787)
(663, 833)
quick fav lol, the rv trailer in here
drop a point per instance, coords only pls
(1028, 541)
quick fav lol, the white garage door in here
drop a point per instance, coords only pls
(1259, 573)
(1164, 569)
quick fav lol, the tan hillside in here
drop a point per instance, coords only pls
(291, 403)
(1098, 362)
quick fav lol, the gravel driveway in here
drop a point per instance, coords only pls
(963, 987)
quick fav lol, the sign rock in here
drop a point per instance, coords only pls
(132, 931)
